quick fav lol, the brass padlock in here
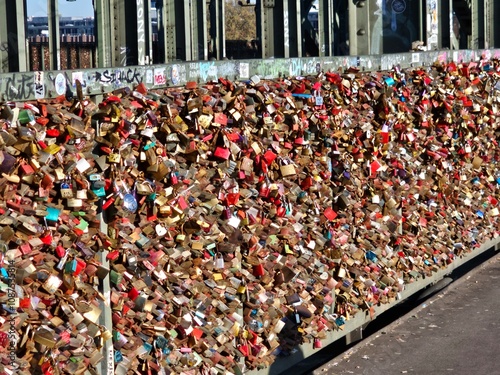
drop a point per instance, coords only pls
(114, 158)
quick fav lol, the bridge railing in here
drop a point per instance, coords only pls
(23, 86)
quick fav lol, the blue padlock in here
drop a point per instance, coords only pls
(100, 192)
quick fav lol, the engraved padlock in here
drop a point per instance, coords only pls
(82, 192)
(114, 158)
(66, 190)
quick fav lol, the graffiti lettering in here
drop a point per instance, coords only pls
(206, 69)
(130, 75)
(295, 67)
(124, 53)
(286, 30)
(141, 35)
(18, 86)
(39, 86)
(226, 70)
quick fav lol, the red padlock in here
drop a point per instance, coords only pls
(133, 294)
(258, 270)
(173, 178)
(80, 266)
(317, 344)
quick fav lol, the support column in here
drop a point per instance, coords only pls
(182, 30)
(13, 53)
(266, 10)
(107, 365)
(478, 27)
(432, 24)
(54, 35)
(104, 28)
(292, 27)
(359, 28)
(495, 9)
(445, 24)
(166, 30)
(200, 30)
(325, 27)
(217, 29)
(492, 28)
(184, 33)
(132, 32)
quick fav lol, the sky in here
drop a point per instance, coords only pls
(77, 8)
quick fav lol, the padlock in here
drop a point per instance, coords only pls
(258, 270)
(66, 190)
(219, 261)
(129, 201)
(317, 343)
(81, 194)
(74, 203)
(114, 158)
(318, 98)
(296, 316)
(52, 283)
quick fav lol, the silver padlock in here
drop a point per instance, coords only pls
(219, 261)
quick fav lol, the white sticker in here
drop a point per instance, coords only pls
(244, 70)
(159, 77)
(77, 76)
(415, 57)
(60, 84)
(39, 86)
(149, 76)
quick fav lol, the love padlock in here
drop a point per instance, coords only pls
(219, 261)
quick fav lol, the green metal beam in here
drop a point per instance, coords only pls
(199, 30)
(217, 29)
(103, 30)
(132, 31)
(325, 27)
(492, 26)
(478, 24)
(54, 35)
(359, 28)
(13, 51)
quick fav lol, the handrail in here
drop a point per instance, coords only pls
(23, 86)
(362, 318)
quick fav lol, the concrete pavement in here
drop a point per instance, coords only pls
(455, 332)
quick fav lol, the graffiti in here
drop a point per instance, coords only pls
(226, 70)
(141, 34)
(130, 75)
(295, 67)
(60, 84)
(4, 47)
(159, 77)
(304, 66)
(18, 86)
(273, 68)
(125, 56)
(39, 85)
(174, 75)
(206, 69)
(286, 30)
(34, 85)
